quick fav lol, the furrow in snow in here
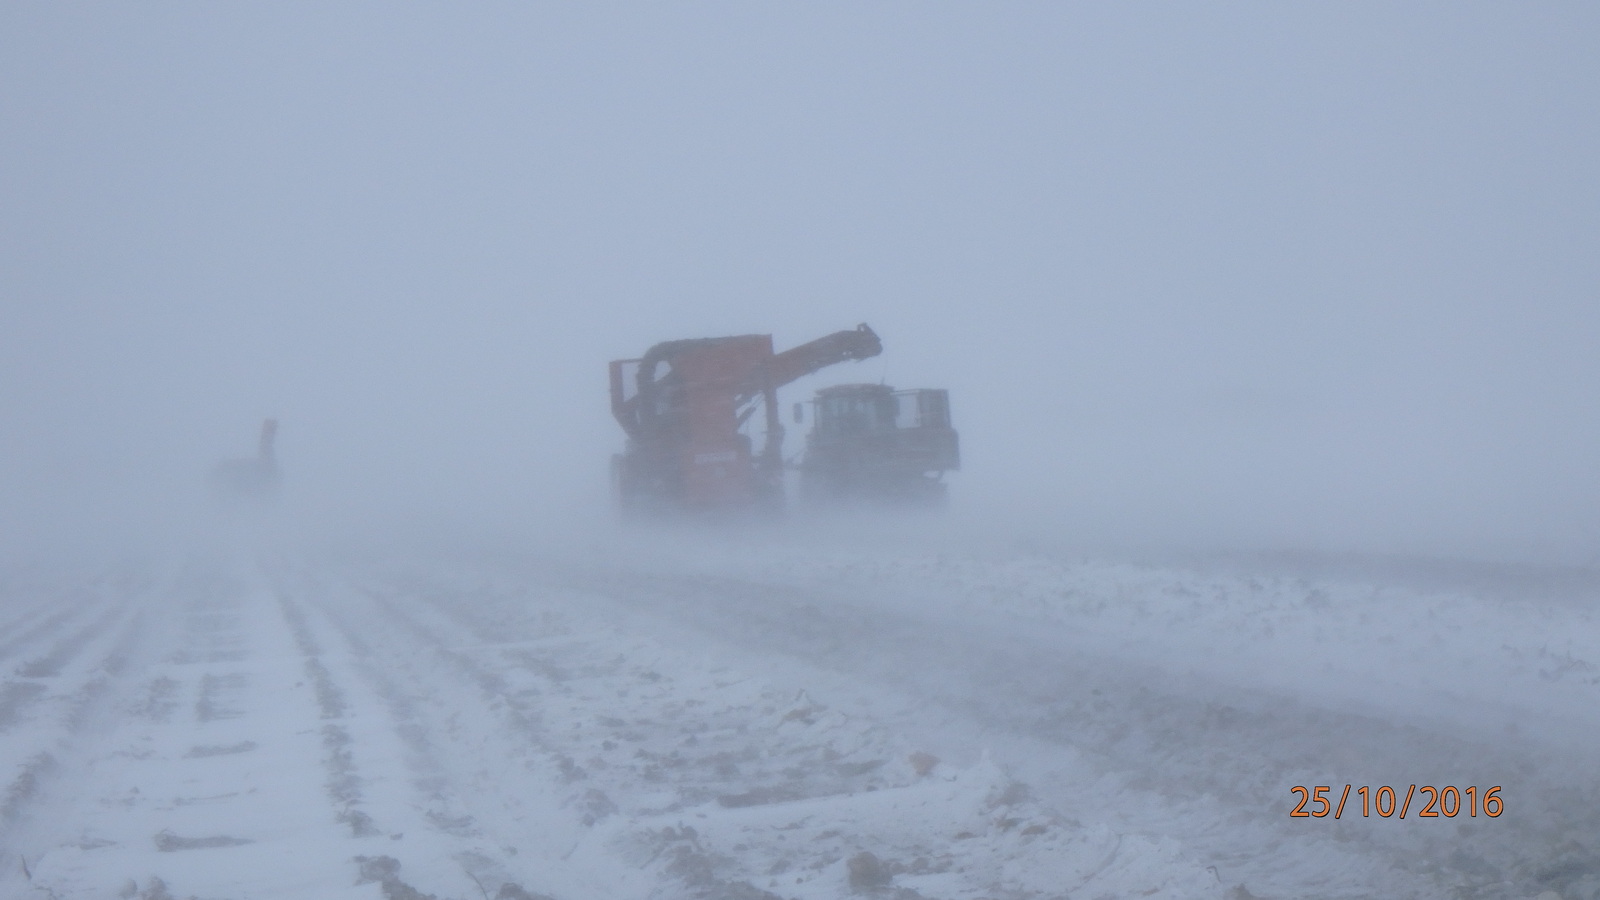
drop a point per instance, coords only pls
(208, 781)
(720, 783)
(52, 747)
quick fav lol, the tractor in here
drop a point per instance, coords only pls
(873, 445)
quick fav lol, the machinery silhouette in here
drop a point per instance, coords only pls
(251, 479)
(683, 405)
(689, 408)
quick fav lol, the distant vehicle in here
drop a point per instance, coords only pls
(683, 405)
(242, 480)
(871, 443)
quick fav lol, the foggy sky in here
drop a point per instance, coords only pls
(1253, 275)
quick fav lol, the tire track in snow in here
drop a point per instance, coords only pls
(22, 604)
(33, 683)
(50, 663)
(27, 636)
(699, 775)
(483, 844)
(520, 717)
(343, 783)
(54, 606)
(212, 780)
(54, 748)
(1204, 755)
(550, 784)
(750, 769)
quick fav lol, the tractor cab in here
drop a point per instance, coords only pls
(870, 442)
(854, 409)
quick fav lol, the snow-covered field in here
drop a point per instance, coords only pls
(783, 718)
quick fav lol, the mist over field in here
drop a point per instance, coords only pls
(1256, 276)
(1269, 333)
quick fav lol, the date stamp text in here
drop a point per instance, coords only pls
(1431, 802)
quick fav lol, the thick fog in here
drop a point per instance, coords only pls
(1269, 332)
(1255, 276)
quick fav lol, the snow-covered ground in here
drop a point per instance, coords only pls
(775, 717)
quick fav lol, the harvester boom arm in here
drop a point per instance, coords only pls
(860, 342)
